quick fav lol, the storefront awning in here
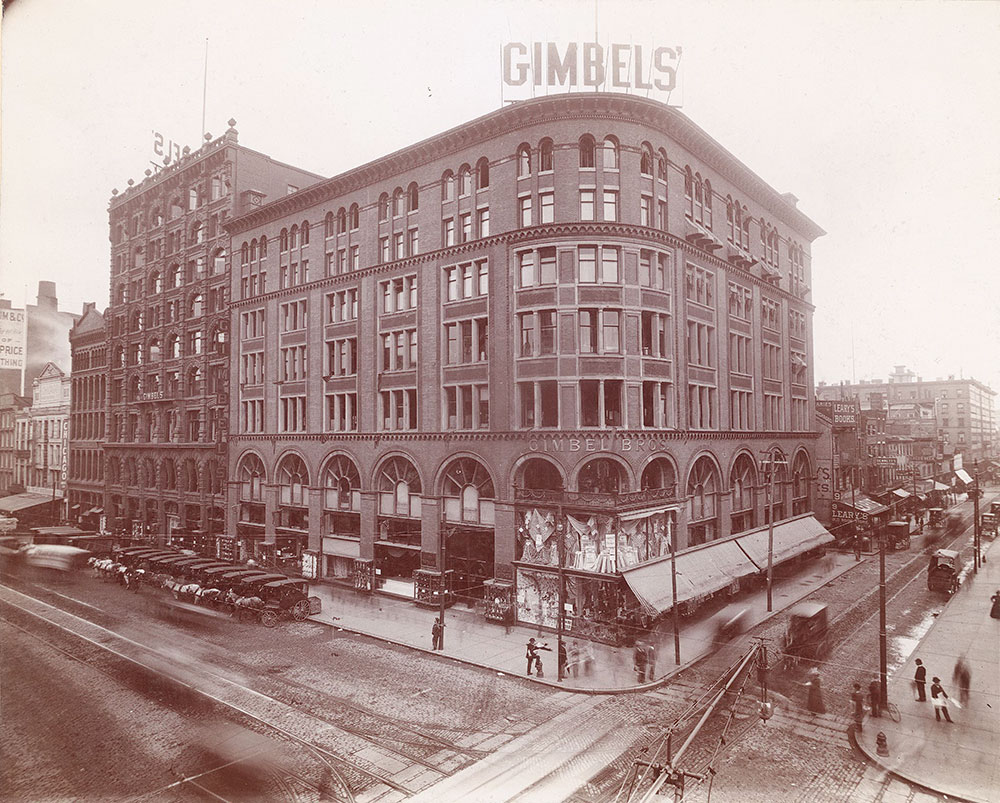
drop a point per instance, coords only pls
(94, 510)
(901, 493)
(12, 504)
(791, 537)
(865, 504)
(61, 530)
(344, 547)
(939, 486)
(701, 570)
(963, 476)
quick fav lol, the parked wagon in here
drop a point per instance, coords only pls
(943, 571)
(897, 535)
(288, 598)
(807, 634)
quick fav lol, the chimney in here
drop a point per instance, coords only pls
(47, 295)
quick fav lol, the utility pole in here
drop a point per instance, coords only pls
(560, 623)
(976, 534)
(441, 557)
(883, 661)
(674, 614)
(771, 462)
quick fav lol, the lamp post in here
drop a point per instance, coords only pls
(441, 557)
(770, 462)
(674, 615)
(560, 623)
(976, 533)
(882, 652)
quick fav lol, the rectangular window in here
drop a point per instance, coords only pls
(611, 205)
(293, 414)
(702, 407)
(657, 410)
(449, 231)
(383, 247)
(773, 413)
(398, 409)
(655, 334)
(527, 334)
(483, 273)
(466, 225)
(526, 268)
(645, 206)
(771, 361)
(547, 265)
(770, 314)
(547, 332)
(342, 412)
(700, 347)
(588, 331)
(611, 331)
(700, 285)
(452, 280)
(740, 301)
(524, 211)
(399, 245)
(609, 265)
(526, 397)
(293, 316)
(355, 257)
(414, 241)
(739, 354)
(547, 203)
(586, 204)
(587, 264)
(548, 397)
(484, 222)
(661, 215)
(590, 402)
(741, 409)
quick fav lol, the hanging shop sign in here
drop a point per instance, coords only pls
(843, 414)
(531, 69)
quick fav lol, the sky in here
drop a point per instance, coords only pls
(881, 117)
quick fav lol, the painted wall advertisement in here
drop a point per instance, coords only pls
(843, 414)
(12, 332)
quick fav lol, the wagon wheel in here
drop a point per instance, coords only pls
(268, 618)
(300, 610)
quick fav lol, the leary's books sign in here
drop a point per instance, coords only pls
(12, 338)
(531, 69)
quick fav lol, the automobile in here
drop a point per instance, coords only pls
(943, 571)
(897, 534)
(807, 633)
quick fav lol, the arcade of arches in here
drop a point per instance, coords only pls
(381, 529)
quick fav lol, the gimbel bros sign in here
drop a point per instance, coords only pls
(538, 68)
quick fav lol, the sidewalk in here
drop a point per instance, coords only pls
(962, 759)
(471, 639)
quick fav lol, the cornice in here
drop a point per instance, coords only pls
(596, 106)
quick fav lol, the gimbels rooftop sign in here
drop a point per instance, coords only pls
(531, 69)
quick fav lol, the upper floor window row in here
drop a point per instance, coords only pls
(609, 153)
(465, 179)
(344, 219)
(399, 203)
(526, 161)
(697, 198)
(737, 224)
(295, 237)
(254, 250)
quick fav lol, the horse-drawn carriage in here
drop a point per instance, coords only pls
(807, 634)
(943, 571)
(897, 535)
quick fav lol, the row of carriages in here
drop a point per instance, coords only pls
(200, 588)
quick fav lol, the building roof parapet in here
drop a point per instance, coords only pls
(599, 105)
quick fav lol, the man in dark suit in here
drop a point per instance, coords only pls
(920, 680)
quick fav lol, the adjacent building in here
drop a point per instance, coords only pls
(570, 332)
(168, 336)
(11, 404)
(89, 383)
(46, 341)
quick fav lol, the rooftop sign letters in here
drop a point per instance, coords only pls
(12, 324)
(538, 68)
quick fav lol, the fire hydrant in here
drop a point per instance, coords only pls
(881, 747)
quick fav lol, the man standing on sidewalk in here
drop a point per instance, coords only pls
(874, 697)
(857, 547)
(962, 677)
(920, 681)
(436, 633)
(939, 699)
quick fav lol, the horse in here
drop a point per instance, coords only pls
(243, 605)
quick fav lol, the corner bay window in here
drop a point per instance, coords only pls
(539, 403)
(537, 267)
(601, 401)
(591, 271)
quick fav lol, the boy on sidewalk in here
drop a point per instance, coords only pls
(939, 699)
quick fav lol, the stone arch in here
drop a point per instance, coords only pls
(467, 488)
(291, 475)
(659, 471)
(398, 483)
(340, 479)
(251, 474)
(603, 473)
(534, 472)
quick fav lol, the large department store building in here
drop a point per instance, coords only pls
(565, 332)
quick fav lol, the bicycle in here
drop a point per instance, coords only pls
(892, 711)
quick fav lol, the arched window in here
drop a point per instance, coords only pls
(293, 236)
(198, 232)
(131, 472)
(263, 246)
(245, 253)
(155, 282)
(253, 249)
(587, 151)
(708, 203)
(219, 257)
(742, 486)
(659, 474)
(609, 158)
(464, 180)
(293, 481)
(118, 357)
(689, 191)
(412, 197)
(545, 155)
(383, 207)
(523, 161)
(304, 229)
(195, 386)
(777, 463)
(699, 198)
(154, 349)
(189, 476)
(539, 474)
(354, 217)
(136, 325)
(173, 345)
(397, 202)
(703, 511)
(328, 230)
(602, 475)
(448, 186)
(134, 388)
(341, 221)
(168, 474)
(219, 340)
(482, 173)
(283, 240)
(468, 492)
(398, 488)
(251, 478)
(730, 220)
(661, 165)
(801, 476)
(341, 485)
(149, 472)
(646, 160)
(197, 307)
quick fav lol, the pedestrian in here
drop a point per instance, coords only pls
(814, 701)
(858, 698)
(437, 631)
(508, 619)
(650, 662)
(875, 697)
(534, 659)
(563, 659)
(962, 677)
(995, 610)
(857, 547)
(574, 658)
(639, 661)
(920, 681)
(939, 699)
(587, 656)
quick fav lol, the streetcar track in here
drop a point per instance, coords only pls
(338, 759)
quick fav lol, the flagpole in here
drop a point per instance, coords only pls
(204, 95)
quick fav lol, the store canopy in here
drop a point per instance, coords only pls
(12, 504)
(939, 486)
(344, 547)
(963, 475)
(865, 504)
(61, 530)
(701, 570)
(791, 538)
(901, 493)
